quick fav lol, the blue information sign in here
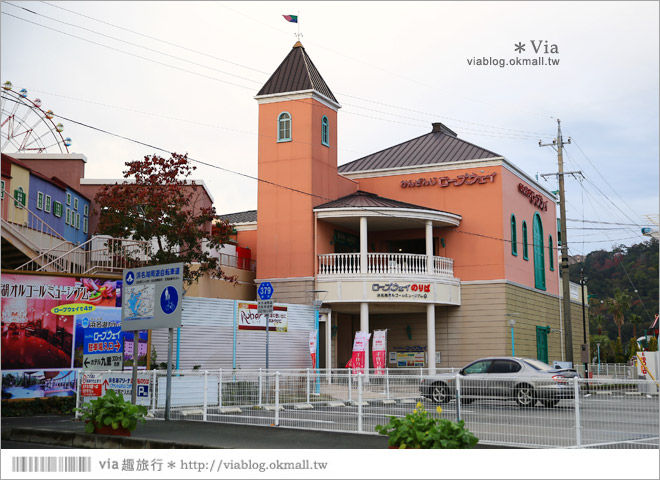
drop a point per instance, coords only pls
(265, 291)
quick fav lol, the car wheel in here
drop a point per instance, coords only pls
(525, 396)
(439, 393)
(550, 403)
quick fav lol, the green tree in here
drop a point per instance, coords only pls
(618, 351)
(161, 205)
(635, 320)
(598, 320)
(618, 307)
(653, 344)
(633, 348)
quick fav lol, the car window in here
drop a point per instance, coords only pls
(538, 364)
(504, 366)
(481, 366)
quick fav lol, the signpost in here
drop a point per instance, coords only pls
(265, 307)
(152, 299)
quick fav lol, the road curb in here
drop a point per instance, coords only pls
(87, 440)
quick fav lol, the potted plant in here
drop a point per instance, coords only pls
(111, 415)
(419, 430)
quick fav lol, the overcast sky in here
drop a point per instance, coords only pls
(182, 76)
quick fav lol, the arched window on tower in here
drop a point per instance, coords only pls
(551, 254)
(284, 127)
(539, 253)
(325, 131)
(514, 236)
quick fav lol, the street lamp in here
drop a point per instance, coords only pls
(512, 322)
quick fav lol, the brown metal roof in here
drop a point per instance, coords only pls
(249, 216)
(362, 199)
(439, 146)
(297, 72)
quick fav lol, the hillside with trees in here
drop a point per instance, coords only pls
(623, 289)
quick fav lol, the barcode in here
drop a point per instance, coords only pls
(51, 464)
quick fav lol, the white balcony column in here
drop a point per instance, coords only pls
(363, 245)
(364, 327)
(429, 247)
(430, 337)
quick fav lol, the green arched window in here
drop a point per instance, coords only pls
(539, 253)
(284, 127)
(524, 241)
(325, 131)
(551, 254)
(514, 236)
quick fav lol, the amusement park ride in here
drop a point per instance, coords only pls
(26, 127)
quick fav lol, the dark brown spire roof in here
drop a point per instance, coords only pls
(441, 145)
(296, 73)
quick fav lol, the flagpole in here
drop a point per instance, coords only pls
(298, 23)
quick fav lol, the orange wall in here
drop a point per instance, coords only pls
(248, 239)
(480, 246)
(517, 269)
(70, 171)
(476, 257)
(285, 217)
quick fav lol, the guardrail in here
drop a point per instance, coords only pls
(589, 413)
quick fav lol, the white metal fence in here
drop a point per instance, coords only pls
(589, 413)
(384, 264)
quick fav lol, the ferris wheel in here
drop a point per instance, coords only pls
(26, 128)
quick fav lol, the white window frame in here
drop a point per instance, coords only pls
(85, 225)
(49, 204)
(68, 199)
(77, 221)
(68, 216)
(75, 204)
(86, 210)
(40, 200)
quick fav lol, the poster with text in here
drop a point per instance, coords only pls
(38, 313)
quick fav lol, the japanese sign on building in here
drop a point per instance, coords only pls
(152, 297)
(250, 319)
(465, 179)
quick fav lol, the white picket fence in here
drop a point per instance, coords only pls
(601, 413)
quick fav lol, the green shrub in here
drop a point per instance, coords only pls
(111, 409)
(418, 430)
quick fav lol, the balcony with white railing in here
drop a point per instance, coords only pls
(385, 264)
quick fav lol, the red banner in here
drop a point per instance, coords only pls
(360, 347)
(379, 351)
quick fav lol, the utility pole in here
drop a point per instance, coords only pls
(558, 143)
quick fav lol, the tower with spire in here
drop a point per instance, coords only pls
(297, 167)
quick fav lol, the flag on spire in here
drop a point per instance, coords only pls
(291, 18)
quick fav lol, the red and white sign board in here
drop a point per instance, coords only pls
(360, 347)
(313, 336)
(91, 390)
(647, 365)
(379, 351)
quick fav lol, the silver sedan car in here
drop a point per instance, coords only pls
(525, 380)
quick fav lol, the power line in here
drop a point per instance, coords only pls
(153, 38)
(521, 134)
(252, 177)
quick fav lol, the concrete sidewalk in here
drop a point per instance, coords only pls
(65, 431)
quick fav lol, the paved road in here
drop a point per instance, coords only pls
(606, 421)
